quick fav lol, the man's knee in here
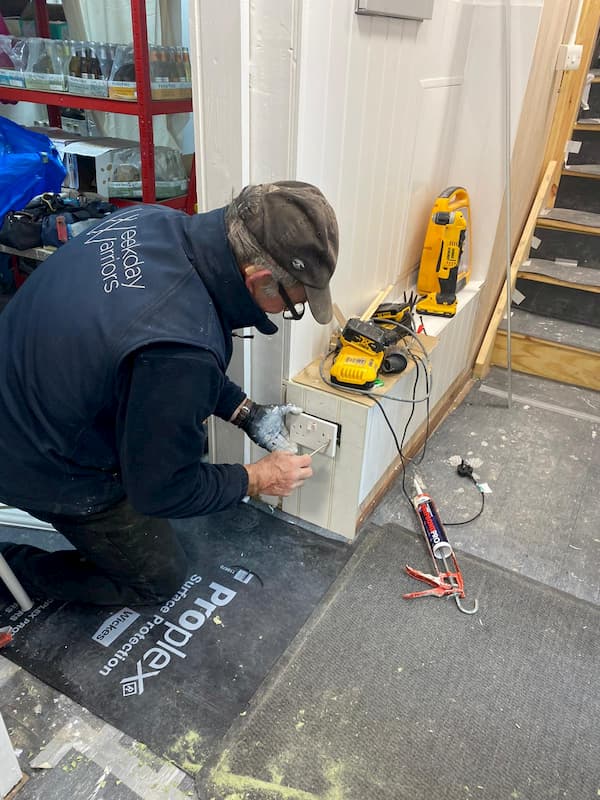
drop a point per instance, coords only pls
(164, 585)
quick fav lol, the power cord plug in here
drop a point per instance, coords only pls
(465, 470)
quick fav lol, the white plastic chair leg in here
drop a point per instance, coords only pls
(13, 585)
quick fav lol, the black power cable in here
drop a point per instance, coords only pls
(418, 361)
(465, 470)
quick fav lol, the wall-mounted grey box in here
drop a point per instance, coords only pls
(402, 9)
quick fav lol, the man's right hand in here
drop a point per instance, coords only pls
(278, 474)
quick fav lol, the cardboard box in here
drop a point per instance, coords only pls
(59, 137)
(89, 163)
(122, 90)
(12, 77)
(45, 82)
(164, 189)
(87, 87)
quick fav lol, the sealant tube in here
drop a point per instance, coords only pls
(432, 526)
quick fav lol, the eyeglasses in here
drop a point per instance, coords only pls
(292, 310)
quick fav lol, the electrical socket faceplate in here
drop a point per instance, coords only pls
(312, 433)
(569, 57)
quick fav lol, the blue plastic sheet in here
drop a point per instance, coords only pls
(29, 165)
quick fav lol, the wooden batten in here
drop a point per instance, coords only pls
(559, 362)
(12, 795)
(570, 173)
(540, 278)
(562, 225)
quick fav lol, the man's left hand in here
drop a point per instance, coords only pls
(265, 425)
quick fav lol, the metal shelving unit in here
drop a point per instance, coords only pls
(144, 108)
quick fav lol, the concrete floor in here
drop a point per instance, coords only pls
(542, 463)
(541, 460)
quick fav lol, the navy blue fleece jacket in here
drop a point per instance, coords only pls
(113, 354)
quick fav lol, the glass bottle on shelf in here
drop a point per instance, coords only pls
(125, 69)
(181, 74)
(43, 64)
(85, 63)
(62, 53)
(155, 67)
(93, 63)
(186, 63)
(172, 63)
(164, 71)
(167, 70)
(105, 57)
(75, 59)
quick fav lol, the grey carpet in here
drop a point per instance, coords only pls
(543, 466)
(381, 698)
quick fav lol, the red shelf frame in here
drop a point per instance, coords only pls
(63, 100)
(145, 108)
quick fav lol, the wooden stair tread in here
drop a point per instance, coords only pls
(554, 331)
(591, 124)
(582, 170)
(570, 219)
(561, 273)
(557, 362)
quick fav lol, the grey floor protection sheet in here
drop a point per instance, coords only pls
(383, 698)
(176, 675)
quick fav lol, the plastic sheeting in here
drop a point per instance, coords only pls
(110, 21)
(29, 165)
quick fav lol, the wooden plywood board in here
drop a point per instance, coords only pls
(549, 360)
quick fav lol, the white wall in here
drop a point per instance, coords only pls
(390, 113)
(382, 114)
(479, 154)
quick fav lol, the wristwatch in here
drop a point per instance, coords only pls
(243, 415)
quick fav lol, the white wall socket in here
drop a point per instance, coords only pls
(569, 57)
(313, 433)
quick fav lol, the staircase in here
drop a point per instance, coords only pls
(555, 314)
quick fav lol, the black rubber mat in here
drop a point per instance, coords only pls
(176, 676)
(391, 699)
(583, 248)
(589, 152)
(577, 192)
(560, 302)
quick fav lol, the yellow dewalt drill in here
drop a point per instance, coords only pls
(441, 273)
